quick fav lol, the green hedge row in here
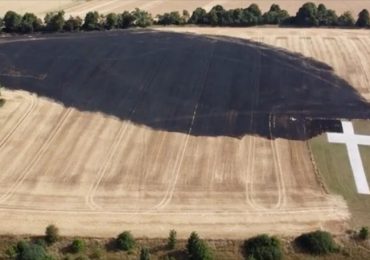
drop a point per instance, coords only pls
(308, 15)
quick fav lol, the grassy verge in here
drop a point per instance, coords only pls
(223, 249)
(334, 167)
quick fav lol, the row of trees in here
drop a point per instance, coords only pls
(260, 247)
(55, 22)
(308, 15)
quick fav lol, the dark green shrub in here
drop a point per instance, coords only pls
(144, 254)
(28, 251)
(125, 241)
(364, 233)
(78, 246)
(171, 243)
(263, 247)
(51, 234)
(317, 243)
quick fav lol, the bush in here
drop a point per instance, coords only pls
(364, 233)
(144, 254)
(78, 246)
(51, 234)
(317, 243)
(263, 247)
(28, 251)
(125, 241)
(171, 244)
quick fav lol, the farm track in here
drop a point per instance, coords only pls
(90, 167)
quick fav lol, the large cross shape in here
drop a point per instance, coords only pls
(352, 141)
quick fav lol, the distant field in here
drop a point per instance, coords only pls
(80, 7)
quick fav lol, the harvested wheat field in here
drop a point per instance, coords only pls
(151, 130)
(81, 7)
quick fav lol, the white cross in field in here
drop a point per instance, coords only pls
(351, 140)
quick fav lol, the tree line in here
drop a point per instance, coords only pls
(260, 247)
(308, 15)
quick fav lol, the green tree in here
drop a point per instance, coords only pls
(125, 241)
(192, 240)
(307, 15)
(144, 254)
(317, 242)
(363, 19)
(171, 18)
(142, 18)
(12, 21)
(54, 21)
(255, 11)
(346, 19)
(111, 21)
(275, 15)
(263, 247)
(199, 16)
(185, 15)
(91, 21)
(326, 17)
(125, 20)
(51, 234)
(30, 23)
(198, 249)
(78, 246)
(73, 24)
(172, 239)
(364, 233)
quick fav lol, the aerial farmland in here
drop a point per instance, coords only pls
(231, 132)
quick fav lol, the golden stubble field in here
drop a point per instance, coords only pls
(143, 138)
(81, 7)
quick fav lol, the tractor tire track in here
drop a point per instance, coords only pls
(43, 149)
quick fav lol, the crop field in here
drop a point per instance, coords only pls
(151, 130)
(81, 7)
